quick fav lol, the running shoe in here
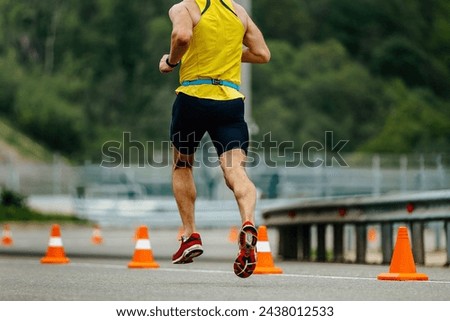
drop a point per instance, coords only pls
(245, 263)
(190, 247)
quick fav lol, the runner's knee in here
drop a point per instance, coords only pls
(180, 163)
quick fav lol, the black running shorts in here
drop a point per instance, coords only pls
(224, 121)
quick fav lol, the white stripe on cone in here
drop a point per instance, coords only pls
(143, 244)
(55, 242)
(263, 246)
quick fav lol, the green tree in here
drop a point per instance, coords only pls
(10, 75)
(43, 111)
(77, 73)
(321, 89)
(418, 122)
(398, 57)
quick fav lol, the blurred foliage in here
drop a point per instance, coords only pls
(25, 214)
(11, 198)
(75, 74)
(21, 144)
(322, 89)
(13, 208)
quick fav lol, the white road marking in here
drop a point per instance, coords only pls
(314, 276)
(184, 270)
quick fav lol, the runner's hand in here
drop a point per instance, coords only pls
(163, 66)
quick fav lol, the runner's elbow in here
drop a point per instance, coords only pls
(265, 57)
(181, 37)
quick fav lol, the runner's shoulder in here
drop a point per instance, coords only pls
(241, 13)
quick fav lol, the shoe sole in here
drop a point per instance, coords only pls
(249, 267)
(189, 254)
(248, 236)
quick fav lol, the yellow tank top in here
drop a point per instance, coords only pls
(214, 52)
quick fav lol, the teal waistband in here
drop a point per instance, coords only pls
(217, 82)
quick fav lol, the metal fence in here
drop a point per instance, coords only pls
(364, 175)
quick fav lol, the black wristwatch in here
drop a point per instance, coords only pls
(169, 64)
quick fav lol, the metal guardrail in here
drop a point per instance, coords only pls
(294, 223)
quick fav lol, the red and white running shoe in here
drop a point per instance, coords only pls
(190, 247)
(245, 263)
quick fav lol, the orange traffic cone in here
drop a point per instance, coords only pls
(55, 252)
(97, 237)
(233, 235)
(402, 266)
(264, 261)
(143, 254)
(6, 236)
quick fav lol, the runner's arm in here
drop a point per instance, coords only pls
(255, 50)
(182, 29)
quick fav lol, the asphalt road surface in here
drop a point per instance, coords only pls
(101, 273)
